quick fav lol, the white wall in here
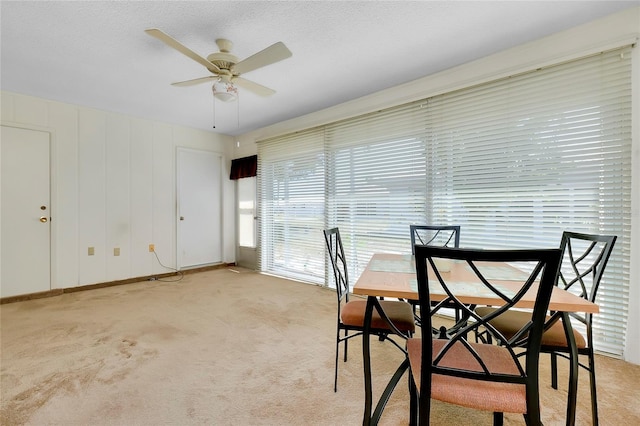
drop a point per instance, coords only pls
(610, 32)
(113, 184)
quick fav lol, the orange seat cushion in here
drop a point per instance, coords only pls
(510, 322)
(476, 394)
(400, 313)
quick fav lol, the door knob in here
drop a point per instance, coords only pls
(43, 219)
(181, 217)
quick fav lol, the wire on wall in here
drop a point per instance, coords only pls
(180, 274)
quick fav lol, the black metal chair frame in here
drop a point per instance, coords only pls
(452, 230)
(596, 270)
(579, 272)
(335, 251)
(448, 233)
(546, 269)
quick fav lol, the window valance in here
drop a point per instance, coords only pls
(244, 167)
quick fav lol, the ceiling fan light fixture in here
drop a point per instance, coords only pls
(224, 91)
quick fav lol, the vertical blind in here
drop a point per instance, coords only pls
(514, 162)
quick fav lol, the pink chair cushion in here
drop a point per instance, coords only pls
(510, 322)
(400, 313)
(477, 394)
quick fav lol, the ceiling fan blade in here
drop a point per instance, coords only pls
(256, 88)
(194, 81)
(274, 53)
(170, 41)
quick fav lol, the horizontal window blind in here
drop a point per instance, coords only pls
(514, 162)
(518, 161)
(376, 181)
(291, 208)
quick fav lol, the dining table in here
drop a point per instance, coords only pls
(389, 275)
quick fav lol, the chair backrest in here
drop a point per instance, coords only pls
(338, 262)
(434, 235)
(485, 273)
(585, 257)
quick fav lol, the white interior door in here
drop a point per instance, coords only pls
(199, 208)
(25, 250)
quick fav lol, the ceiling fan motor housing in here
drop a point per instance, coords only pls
(223, 59)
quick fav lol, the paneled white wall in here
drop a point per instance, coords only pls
(113, 185)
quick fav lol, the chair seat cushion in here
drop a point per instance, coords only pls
(477, 394)
(400, 313)
(510, 322)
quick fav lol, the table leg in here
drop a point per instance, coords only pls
(368, 418)
(573, 370)
(366, 357)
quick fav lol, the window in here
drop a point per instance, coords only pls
(515, 162)
(246, 191)
(376, 183)
(292, 207)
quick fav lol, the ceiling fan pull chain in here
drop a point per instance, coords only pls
(238, 111)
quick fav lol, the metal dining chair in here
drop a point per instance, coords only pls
(351, 313)
(436, 236)
(585, 257)
(483, 376)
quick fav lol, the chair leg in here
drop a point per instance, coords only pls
(592, 382)
(554, 370)
(413, 401)
(498, 419)
(335, 379)
(346, 344)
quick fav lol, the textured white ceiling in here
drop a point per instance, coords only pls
(97, 54)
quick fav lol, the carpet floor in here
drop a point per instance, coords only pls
(225, 347)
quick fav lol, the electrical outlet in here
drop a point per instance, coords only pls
(152, 248)
(91, 251)
(116, 251)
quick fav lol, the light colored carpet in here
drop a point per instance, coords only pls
(223, 348)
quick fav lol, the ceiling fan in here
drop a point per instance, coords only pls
(226, 67)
